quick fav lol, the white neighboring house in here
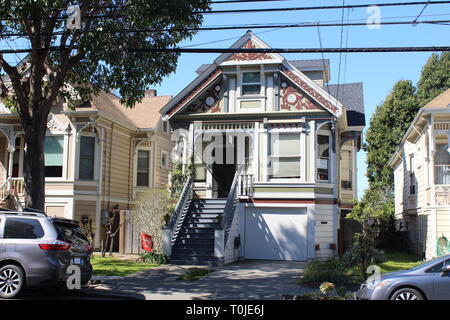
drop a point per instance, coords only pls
(422, 179)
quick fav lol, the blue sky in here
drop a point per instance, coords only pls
(378, 71)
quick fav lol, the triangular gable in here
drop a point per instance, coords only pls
(195, 92)
(249, 40)
(312, 89)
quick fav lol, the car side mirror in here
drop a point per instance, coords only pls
(445, 271)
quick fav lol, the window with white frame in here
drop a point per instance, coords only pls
(412, 177)
(323, 157)
(86, 168)
(284, 155)
(53, 156)
(251, 83)
(442, 160)
(143, 168)
(346, 169)
(164, 159)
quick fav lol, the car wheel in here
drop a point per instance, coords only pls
(11, 281)
(407, 294)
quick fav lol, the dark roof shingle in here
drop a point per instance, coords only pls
(352, 97)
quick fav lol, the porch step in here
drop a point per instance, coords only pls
(195, 242)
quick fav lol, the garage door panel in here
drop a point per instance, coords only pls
(276, 234)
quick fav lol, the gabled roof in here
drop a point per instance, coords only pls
(351, 96)
(441, 101)
(287, 69)
(144, 115)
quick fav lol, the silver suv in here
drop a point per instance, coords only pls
(36, 250)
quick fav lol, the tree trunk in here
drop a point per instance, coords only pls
(34, 171)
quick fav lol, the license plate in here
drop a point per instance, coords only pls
(78, 261)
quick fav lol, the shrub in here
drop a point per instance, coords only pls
(332, 270)
(153, 257)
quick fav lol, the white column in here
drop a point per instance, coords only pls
(11, 151)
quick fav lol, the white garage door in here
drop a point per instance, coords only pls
(276, 234)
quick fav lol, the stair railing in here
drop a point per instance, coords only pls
(230, 206)
(177, 218)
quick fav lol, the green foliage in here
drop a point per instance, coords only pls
(332, 270)
(154, 257)
(435, 77)
(194, 274)
(387, 127)
(117, 267)
(105, 62)
(372, 211)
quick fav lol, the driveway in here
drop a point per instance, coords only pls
(246, 280)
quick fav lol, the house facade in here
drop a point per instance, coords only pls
(421, 167)
(274, 149)
(98, 156)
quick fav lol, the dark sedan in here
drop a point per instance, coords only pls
(428, 281)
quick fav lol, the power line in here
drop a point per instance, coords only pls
(340, 53)
(261, 50)
(236, 27)
(423, 9)
(352, 6)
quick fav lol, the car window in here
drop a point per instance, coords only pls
(23, 228)
(70, 233)
(438, 268)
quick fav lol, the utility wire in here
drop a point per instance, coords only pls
(423, 9)
(353, 6)
(260, 50)
(340, 53)
(235, 27)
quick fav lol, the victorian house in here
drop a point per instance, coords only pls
(274, 148)
(421, 167)
(98, 156)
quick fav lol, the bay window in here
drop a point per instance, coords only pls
(284, 156)
(442, 163)
(53, 156)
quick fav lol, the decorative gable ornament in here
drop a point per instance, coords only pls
(54, 125)
(249, 56)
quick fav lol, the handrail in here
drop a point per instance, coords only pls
(176, 217)
(230, 206)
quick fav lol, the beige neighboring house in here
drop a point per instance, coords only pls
(422, 179)
(97, 156)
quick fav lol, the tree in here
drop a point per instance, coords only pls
(374, 209)
(387, 127)
(71, 65)
(150, 214)
(435, 77)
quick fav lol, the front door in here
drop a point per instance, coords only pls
(224, 169)
(442, 283)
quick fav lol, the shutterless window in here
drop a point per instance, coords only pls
(22, 228)
(442, 164)
(143, 168)
(323, 159)
(87, 158)
(284, 156)
(54, 148)
(251, 83)
(412, 178)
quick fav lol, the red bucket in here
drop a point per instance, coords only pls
(146, 242)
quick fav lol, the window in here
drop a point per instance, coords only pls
(165, 126)
(442, 164)
(54, 148)
(412, 178)
(323, 159)
(20, 228)
(438, 268)
(346, 169)
(143, 168)
(284, 156)
(87, 158)
(251, 83)
(164, 159)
